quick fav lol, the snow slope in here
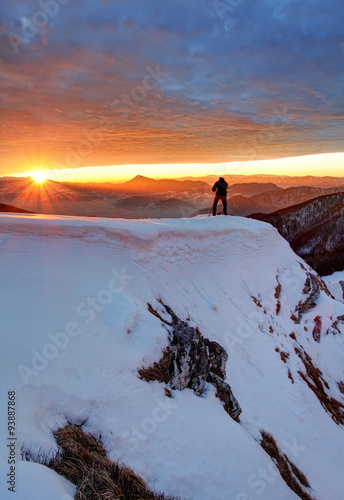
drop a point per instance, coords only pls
(36, 482)
(335, 283)
(75, 329)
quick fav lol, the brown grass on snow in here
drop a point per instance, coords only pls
(278, 290)
(316, 382)
(83, 461)
(293, 318)
(292, 476)
(290, 376)
(159, 371)
(284, 356)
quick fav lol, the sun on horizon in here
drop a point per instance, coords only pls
(38, 177)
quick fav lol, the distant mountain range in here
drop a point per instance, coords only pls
(251, 189)
(139, 198)
(315, 231)
(283, 181)
(145, 184)
(143, 197)
(270, 201)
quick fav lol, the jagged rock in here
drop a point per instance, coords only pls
(317, 329)
(312, 290)
(225, 394)
(190, 361)
(218, 358)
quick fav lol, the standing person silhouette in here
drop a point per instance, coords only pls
(220, 187)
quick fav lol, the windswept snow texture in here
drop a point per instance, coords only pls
(76, 328)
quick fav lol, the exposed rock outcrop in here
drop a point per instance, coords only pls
(312, 291)
(312, 288)
(190, 361)
(317, 329)
(314, 229)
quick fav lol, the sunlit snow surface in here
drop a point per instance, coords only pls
(75, 329)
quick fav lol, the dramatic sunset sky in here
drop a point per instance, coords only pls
(114, 82)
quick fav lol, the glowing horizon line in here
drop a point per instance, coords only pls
(315, 165)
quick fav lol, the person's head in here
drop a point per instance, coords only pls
(221, 179)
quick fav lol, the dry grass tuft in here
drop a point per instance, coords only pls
(316, 382)
(155, 313)
(294, 318)
(284, 356)
(278, 291)
(341, 387)
(290, 376)
(159, 371)
(292, 476)
(256, 301)
(83, 461)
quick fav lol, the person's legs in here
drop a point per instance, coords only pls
(216, 199)
(224, 203)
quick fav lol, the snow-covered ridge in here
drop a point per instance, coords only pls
(147, 229)
(77, 329)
